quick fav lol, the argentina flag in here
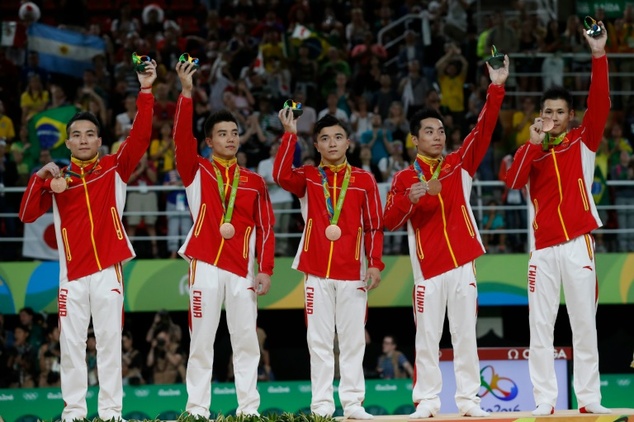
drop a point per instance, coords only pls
(64, 51)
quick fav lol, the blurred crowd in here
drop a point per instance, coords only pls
(339, 57)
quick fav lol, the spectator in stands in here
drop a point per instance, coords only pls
(22, 360)
(161, 153)
(366, 162)
(616, 144)
(493, 220)
(163, 322)
(164, 108)
(131, 361)
(179, 220)
(304, 72)
(34, 99)
(305, 127)
(411, 50)
(379, 139)
(455, 26)
(360, 118)
(281, 200)
(393, 364)
(624, 197)
(34, 324)
(601, 191)
(166, 360)
(31, 67)
(125, 23)
(396, 122)
(452, 73)
(7, 128)
(49, 359)
(123, 120)
(333, 64)
(356, 29)
(91, 360)
(522, 120)
(412, 88)
(142, 204)
(345, 97)
(332, 109)
(383, 98)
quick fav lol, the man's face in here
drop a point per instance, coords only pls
(431, 138)
(332, 144)
(558, 111)
(224, 140)
(83, 140)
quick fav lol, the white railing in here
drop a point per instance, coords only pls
(480, 198)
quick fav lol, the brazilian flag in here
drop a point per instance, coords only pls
(47, 130)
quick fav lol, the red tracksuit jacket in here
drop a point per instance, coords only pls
(559, 180)
(252, 217)
(87, 215)
(443, 226)
(360, 220)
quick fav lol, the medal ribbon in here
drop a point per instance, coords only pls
(222, 188)
(547, 143)
(66, 172)
(333, 213)
(421, 175)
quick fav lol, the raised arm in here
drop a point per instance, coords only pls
(138, 141)
(477, 142)
(290, 179)
(599, 104)
(186, 145)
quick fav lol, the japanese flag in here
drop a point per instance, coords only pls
(258, 63)
(301, 32)
(39, 239)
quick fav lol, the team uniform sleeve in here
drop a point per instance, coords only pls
(599, 104)
(36, 199)
(138, 141)
(290, 179)
(398, 207)
(186, 145)
(517, 174)
(265, 238)
(373, 226)
(477, 142)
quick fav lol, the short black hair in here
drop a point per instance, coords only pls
(218, 117)
(420, 115)
(556, 93)
(84, 115)
(328, 121)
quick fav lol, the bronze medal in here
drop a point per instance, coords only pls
(434, 187)
(333, 232)
(547, 124)
(227, 230)
(58, 185)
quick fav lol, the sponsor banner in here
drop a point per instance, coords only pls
(505, 388)
(501, 282)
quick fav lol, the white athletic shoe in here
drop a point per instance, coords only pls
(360, 414)
(422, 412)
(543, 410)
(595, 408)
(477, 412)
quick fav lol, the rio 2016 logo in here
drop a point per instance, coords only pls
(502, 388)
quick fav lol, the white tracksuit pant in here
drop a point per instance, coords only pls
(341, 305)
(100, 295)
(571, 264)
(211, 286)
(456, 292)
